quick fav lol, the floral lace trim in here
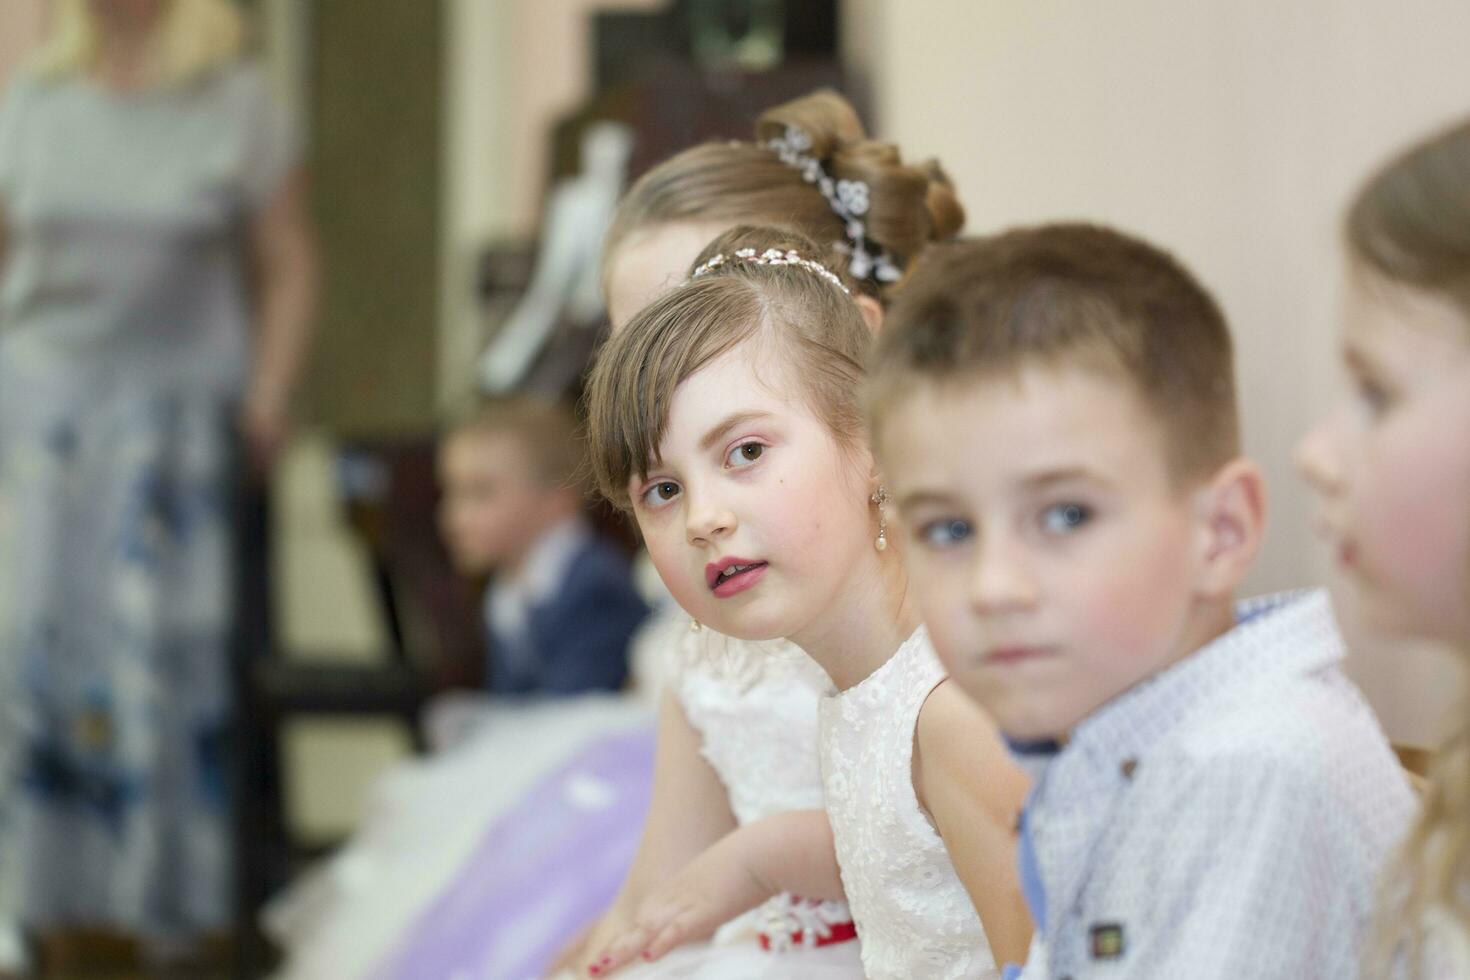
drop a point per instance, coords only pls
(788, 922)
(740, 663)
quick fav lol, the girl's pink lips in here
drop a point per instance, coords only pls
(1344, 548)
(713, 569)
(1009, 656)
(734, 584)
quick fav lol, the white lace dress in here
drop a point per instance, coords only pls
(755, 707)
(912, 912)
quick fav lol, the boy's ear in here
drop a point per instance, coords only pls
(1232, 523)
(872, 312)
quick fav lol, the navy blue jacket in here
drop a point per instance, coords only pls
(579, 636)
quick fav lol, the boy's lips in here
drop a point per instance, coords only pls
(732, 575)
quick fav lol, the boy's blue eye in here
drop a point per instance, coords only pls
(745, 454)
(660, 493)
(1065, 518)
(945, 533)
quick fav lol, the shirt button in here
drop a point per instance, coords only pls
(1128, 766)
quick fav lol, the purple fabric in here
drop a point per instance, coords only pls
(547, 868)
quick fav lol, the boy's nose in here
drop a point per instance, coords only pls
(999, 580)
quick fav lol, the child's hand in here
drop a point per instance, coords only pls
(712, 889)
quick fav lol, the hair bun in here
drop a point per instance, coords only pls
(828, 120)
(946, 214)
(909, 205)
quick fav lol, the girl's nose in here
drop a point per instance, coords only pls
(709, 520)
(1318, 460)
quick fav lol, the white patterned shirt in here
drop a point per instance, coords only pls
(1227, 818)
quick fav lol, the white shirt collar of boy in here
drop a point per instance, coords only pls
(545, 567)
(1274, 634)
(1156, 793)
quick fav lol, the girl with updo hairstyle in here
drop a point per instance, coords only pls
(673, 210)
(737, 738)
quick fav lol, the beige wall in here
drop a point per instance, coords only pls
(1231, 130)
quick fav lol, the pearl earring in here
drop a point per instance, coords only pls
(880, 497)
(695, 626)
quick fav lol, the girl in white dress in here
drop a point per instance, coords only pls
(1393, 478)
(725, 417)
(737, 737)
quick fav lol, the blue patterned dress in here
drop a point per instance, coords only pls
(124, 322)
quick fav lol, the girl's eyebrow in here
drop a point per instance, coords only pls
(1358, 359)
(722, 430)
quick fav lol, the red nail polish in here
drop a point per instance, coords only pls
(648, 956)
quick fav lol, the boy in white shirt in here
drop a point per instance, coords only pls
(1054, 409)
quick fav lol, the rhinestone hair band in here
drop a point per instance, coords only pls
(771, 256)
(849, 200)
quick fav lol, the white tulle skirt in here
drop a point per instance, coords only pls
(748, 961)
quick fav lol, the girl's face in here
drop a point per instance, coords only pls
(125, 16)
(755, 517)
(1391, 468)
(651, 261)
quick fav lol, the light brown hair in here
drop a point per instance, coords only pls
(192, 39)
(910, 205)
(1411, 221)
(1411, 225)
(546, 430)
(813, 322)
(1070, 293)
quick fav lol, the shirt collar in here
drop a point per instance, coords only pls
(546, 565)
(1286, 633)
(1289, 633)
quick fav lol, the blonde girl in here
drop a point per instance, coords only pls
(1392, 472)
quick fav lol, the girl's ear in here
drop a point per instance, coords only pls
(1232, 521)
(872, 312)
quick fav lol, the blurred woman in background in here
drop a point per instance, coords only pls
(157, 279)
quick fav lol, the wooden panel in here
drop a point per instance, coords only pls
(376, 118)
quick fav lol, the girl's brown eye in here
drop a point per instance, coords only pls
(666, 491)
(751, 451)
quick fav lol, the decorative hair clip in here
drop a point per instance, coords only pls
(771, 256)
(849, 200)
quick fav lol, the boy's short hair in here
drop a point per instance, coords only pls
(1073, 294)
(547, 429)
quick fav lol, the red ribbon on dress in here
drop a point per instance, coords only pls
(842, 932)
